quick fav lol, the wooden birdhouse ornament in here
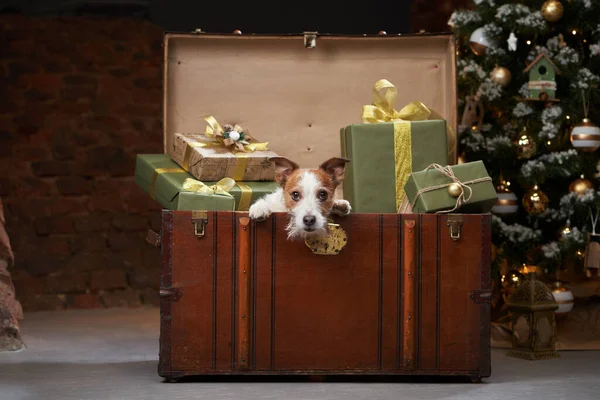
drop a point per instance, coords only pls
(542, 78)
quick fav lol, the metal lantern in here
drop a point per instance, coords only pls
(532, 309)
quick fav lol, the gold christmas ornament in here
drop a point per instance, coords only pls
(535, 201)
(479, 42)
(580, 185)
(501, 76)
(526, 146)
(552, 10)
(586, 136)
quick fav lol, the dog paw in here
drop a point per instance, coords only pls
(259, 211)
(341, 207)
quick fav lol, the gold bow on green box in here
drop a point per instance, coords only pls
(388, 146)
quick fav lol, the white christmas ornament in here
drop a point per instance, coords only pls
(234, 135)
(479, 42)
(507, 203)
(512, 42)
(586, 136)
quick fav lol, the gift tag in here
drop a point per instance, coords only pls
(329, 245)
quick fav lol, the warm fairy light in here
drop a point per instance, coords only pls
(549, 143)
(566, 231)
(579, 253)
(529, 42)
(523, 140)
(574, 32)
(584, 40)
(507, 183)
(568, 117)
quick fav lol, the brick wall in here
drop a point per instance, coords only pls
(81, 97)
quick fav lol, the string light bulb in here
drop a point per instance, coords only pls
(568, 117)
(574, 32)
(529, 42)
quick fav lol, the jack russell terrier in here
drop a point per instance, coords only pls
(307, 195)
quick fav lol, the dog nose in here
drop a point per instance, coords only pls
(309, 220)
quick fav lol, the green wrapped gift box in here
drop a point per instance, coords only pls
(436, 189)
(372, 183)
(163, 180)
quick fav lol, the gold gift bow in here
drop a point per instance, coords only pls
(382, 110)
(215, 131)
(222, 187)
(447, 171)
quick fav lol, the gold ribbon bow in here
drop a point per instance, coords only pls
(447, 171)
(220, 188)
(215, 131)
(382, 110)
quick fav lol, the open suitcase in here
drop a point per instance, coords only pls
(404, 294)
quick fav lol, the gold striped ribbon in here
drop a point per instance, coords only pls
(245, 198)
(159, 171)
(240, 166)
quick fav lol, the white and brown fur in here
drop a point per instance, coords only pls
(307, 195)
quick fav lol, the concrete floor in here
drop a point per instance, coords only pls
(112, 354)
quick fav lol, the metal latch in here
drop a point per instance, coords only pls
(199, 219)
(153, 238)
(171, 294)
(310, 40)
(481, 296)
(454, 224)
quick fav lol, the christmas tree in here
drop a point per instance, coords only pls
(528, 74)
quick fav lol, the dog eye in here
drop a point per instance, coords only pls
(323, 195)
(295, 196)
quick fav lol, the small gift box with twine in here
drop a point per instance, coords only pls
(223, 152)
(387, 147)
(462, 188)
(174, 189)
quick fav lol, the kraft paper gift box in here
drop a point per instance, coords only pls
(387, 148)
(434, 189)
(215, 155)
(175, 189)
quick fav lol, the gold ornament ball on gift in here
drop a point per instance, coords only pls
(501, 76)
(580, 185)
(479, 42)
(454, 190)
(552, 10)
(526, 146)
(586, 136)
(535, 201)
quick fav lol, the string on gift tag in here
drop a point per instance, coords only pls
(447, 171)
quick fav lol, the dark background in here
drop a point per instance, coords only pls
(81, 96)
(263, 16)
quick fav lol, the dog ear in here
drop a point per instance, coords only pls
(283, 169)
(335, 167)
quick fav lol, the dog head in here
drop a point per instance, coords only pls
(309, 194)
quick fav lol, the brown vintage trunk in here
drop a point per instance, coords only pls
(402, 297)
